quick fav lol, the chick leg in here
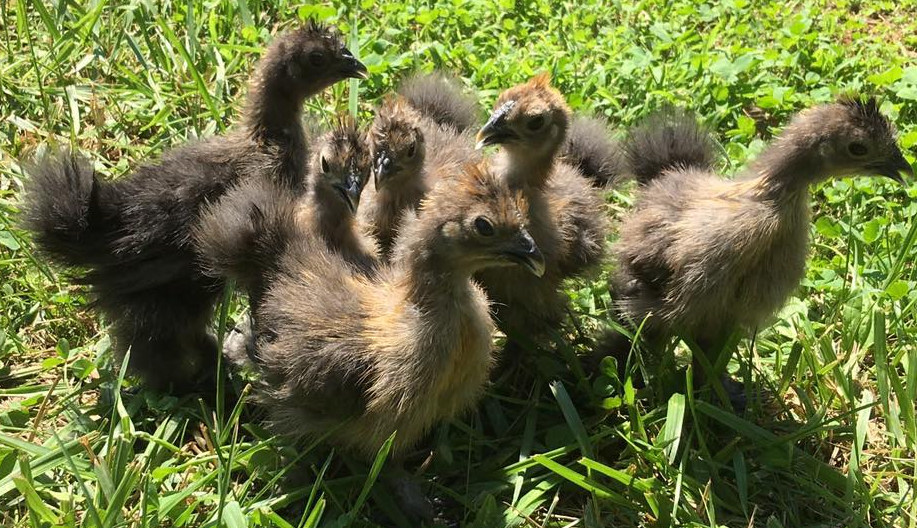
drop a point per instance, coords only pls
(170, 346)
(409, 493)
(716, 351)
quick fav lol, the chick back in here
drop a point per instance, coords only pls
(344, 353)
(704, 255)
(441, 99)
(591, 149)
(669, 139)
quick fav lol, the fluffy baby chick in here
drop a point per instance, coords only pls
(134, 234)
(414, 136)
(566, 216)
(705, 256)
(359, 357)
(338, 170)
(227, 233)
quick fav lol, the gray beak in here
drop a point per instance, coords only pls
(350, 192)
(526, 253)
(351, 67)
(384, 166)
(495, 131)
(895, 167)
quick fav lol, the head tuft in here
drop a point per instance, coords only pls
(395, 123)
(536, 95)
(864, 111)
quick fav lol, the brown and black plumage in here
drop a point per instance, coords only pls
(134, 234)
(359, 357)
(229, 230)
(590, 148)
(566, 214)
(420, 132)
(703, 256)
(441, 98)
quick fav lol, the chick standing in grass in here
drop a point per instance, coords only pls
(414, 135)
(703, 256)
(134, 234)
(566, 214)
(361, 357)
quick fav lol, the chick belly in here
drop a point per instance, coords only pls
(434, 384)
(522, 302)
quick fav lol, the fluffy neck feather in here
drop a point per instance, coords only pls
(524, 166)
(273, 112)
(332, 218)
(789, 165)
(431, 279)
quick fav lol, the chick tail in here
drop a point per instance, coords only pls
(591, 149)
(243, 235)
(669, 139)
(72, 215)
(441, 98)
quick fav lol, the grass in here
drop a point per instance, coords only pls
(548, 445)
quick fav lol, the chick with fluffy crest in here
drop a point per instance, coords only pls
(703, 256)
(411, 140)
(566, 214)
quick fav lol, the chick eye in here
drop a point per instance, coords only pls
(412, 149)
(325, 167)
(857, 149)
(317, 58)
(535, 123)
(483, 226)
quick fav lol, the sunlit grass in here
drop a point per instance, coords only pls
(553, 443)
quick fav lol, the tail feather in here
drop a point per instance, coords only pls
(72, 215)
(667, 140)
(591, 149)
(244, 234)
(441, 99)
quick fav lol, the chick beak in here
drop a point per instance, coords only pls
(350, 192)
(383, 167)
(895, 167)
(351, 68)
(496, 131)
(523, 251)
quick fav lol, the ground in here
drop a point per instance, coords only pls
(556, 441)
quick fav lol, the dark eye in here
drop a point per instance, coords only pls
(535, 123)
(412, 149)
(857, 149)
(325, 167)
(483, 226)
(317, 58)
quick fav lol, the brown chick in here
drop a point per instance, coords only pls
(411, 140)
(703, 256)
(360, 357)
(566, 214)
(134, 234)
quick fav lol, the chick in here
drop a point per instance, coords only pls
(134, 234)
(704, 256)
(338, 170)
(360, 357)
(566, 214)
(412, 137)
